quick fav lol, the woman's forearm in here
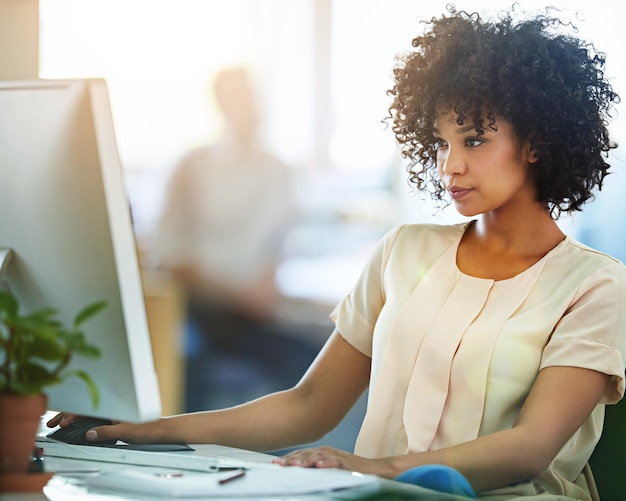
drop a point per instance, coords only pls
(488, 462)
(272, 422)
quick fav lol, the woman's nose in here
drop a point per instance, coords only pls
(451, 161)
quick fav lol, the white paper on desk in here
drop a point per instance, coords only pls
(279, 481)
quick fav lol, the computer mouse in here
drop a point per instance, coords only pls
(74, 433)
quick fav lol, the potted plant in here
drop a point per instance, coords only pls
(35, 351)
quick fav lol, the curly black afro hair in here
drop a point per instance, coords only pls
(548, 84)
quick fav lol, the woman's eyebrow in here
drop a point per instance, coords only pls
(461, 130)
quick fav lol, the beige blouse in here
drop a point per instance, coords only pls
(454, 356)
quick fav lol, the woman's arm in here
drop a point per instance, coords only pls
(560, 401)
(331, 386)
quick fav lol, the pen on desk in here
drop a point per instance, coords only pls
(237, 475)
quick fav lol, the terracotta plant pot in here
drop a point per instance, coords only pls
(19, 422)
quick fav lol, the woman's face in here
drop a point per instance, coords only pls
(483, 170)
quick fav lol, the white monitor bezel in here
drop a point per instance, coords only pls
(58, 135)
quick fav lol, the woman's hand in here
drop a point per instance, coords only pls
(329, 457)
(62, 419)
(112, 430)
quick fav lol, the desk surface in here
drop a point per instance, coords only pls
(70, 484)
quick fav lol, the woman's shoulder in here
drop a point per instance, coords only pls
(421, 240)
(584, 256)
(584, 267)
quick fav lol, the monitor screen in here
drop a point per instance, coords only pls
(65, 216)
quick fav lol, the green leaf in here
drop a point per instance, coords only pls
(47, 349)
(88, 312)
(91, 386)
(75, 340)
(34, 324)
(32, 377)
(39, 336)
(21, 388)
(43, 315)
(89, 351)
(40, 341)
(8, 305)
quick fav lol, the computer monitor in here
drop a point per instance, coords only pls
(65, 216)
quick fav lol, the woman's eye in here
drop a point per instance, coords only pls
(439, 144)
(472, 142)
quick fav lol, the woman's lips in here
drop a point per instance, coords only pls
(457, 192)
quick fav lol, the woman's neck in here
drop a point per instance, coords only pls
(499, 249)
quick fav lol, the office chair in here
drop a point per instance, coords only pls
(608, 461)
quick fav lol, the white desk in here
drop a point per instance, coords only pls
(71, 486)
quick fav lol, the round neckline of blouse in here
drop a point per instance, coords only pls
(522, 273)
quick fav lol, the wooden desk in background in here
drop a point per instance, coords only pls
(165, 308)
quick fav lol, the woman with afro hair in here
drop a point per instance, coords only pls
(491, 347)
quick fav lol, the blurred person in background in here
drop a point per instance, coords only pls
(228, 208)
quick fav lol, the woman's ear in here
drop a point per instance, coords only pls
(531, 152)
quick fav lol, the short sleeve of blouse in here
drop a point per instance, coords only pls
(356, 315)
(592, 333)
